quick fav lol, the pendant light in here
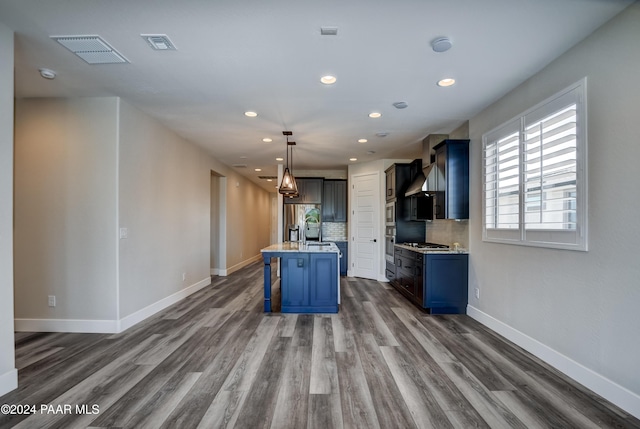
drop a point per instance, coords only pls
(288, 187)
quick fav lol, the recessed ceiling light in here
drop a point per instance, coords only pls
(257, 169)
(269, 180)
(362, 141)
(446, 82)
(250, 114)
(441, 44)
(267, 140)
(328, 80)
(243, 157)
(353, 159)
(375, 114)
(47, 73)
(279, 159)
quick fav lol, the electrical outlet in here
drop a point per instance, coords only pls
(184, 276)
(477, 293)
(52, 300)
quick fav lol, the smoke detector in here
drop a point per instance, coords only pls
(441, 44)
(47, 73)
(400, 105)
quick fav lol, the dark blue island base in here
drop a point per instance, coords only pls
(309, 278)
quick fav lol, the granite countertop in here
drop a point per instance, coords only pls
(295, 246)
(431, 250)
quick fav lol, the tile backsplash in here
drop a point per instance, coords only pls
(334, 230)
(448, 232)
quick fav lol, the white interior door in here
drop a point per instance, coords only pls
(365, 229)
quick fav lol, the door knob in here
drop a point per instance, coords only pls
(374, 240)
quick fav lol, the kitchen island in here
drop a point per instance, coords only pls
(309, 277)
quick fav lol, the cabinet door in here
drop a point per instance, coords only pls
(294, 284)
(344, 263)
(328, 201)
(390, 185)
(418, 279)
(340, 201)
(440, 183)
(446, 283)
(312, 191)
(323, 288)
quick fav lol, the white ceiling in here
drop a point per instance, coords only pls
(268, 56)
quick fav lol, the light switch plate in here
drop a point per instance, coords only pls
(124, 233)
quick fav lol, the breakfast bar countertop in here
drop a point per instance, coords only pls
(297, 246)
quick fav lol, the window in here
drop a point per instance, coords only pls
(534, 175)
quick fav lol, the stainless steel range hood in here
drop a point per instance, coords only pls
(423, 184)
(419, 185)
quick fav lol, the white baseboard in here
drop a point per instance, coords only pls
(8, 381)
(215, 271)
(106, 326)
(137, 317)
(67, 325)
(239, 266)
(613, 392)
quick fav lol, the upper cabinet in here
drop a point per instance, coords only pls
(397, 179)
(334, 201)
(309, 192)
(451, 180)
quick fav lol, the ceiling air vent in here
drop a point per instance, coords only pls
(267, 177)
(92, 49)
(239, 165)
(159, 42)
(328, 31)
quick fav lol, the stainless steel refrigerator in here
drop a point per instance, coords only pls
(302, 222)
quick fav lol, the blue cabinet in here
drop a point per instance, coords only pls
(445, 283)
(334, 201)
(294, 280)
(309, 283)
(437, 282)
(344, 260)
(452, 180)
(323, 293)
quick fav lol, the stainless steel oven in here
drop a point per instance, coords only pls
(390, 214)
(389, 241)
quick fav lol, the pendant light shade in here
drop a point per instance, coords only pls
(288, 187)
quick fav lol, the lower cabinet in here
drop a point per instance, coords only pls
(446, 283)
(344, 259)
(437, 282)
(309, 283)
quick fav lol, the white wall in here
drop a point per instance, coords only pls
(578, 310)
(86, 168)
(248, 220)
(8, 373)
(65, 210)
(164, 193)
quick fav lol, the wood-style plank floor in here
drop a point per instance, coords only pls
(216, 360)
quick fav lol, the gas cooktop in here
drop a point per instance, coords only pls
(426, 245)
